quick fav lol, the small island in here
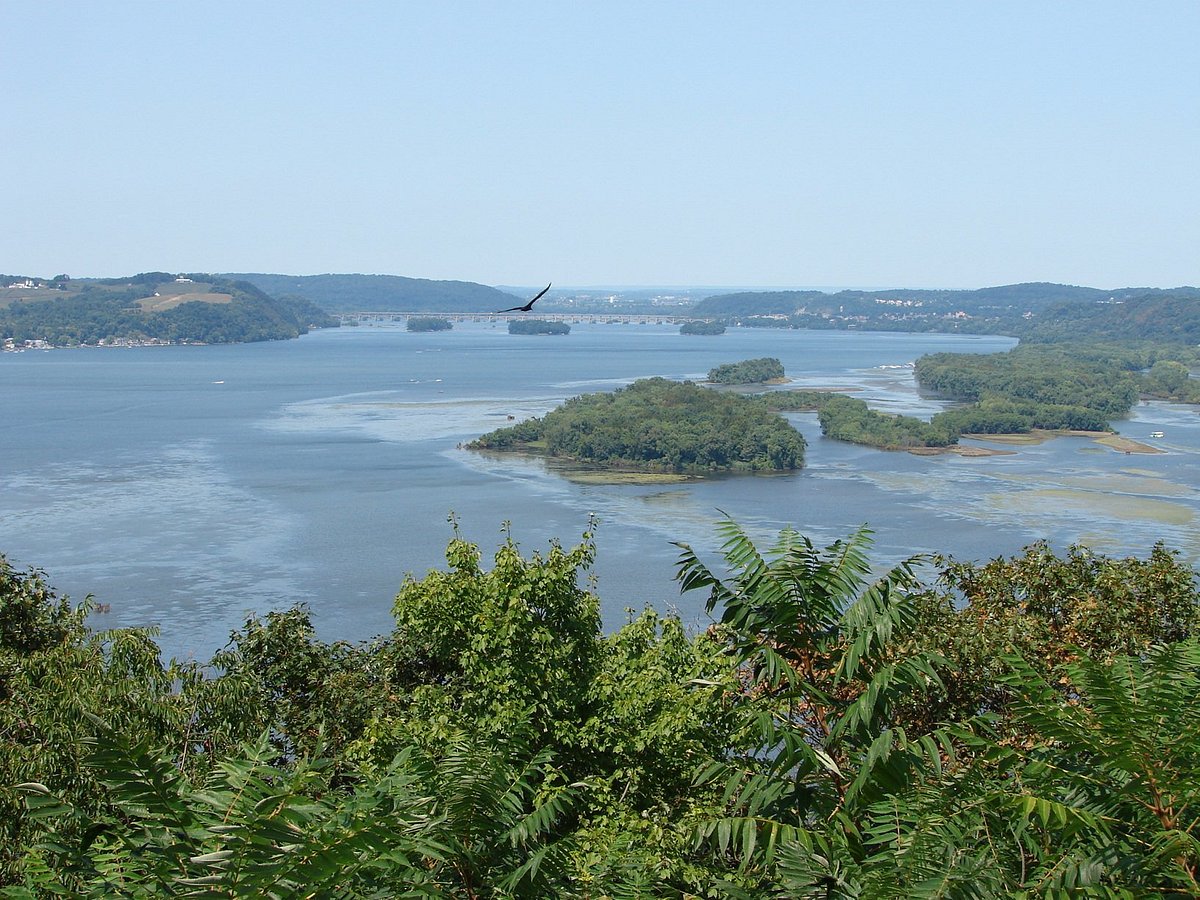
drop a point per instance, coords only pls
(766, 370)
(660, 426)
(537, 326)
(428, 323)
(706, 328)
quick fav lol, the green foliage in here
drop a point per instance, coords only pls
(704, 328)
(537, 326)
(796, 400)
(57, 678)
(1048, 608)
(317, 694)
(1123, 755)
(660, 425)
(814, 640)
(32, 616)
(1025, 727)
(850, 419)
(428, 323)
(748, 371)
(1169, 379)
(476, 821)
(999, 416)
(1099, 379)
(1164, 317)
(511, 648)
(107, 310)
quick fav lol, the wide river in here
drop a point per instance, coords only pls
(187, 487)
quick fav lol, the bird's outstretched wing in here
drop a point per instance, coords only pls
(528, 306)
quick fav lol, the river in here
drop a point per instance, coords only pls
(187, 487)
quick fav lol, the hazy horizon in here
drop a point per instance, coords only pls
(612, 286)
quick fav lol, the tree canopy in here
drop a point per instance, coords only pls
(428, 323)
(748, 371)
(537, 326)
(659, 425)
(1025, 726)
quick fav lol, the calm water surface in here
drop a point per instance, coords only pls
(190, 486)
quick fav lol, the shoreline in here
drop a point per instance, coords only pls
(1114, 442)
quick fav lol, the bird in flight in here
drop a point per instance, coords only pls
(528, 306)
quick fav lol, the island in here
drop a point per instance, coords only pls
(661, 426)
(706, 328)
(537, 326)
(766, 370)
(428, 323)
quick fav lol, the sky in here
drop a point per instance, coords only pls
(870, 144)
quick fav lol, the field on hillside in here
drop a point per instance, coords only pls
(162, 302)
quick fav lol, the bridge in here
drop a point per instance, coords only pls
(400, 318)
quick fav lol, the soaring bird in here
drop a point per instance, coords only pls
(528, 306)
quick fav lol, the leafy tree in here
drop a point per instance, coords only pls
(57, 677)
(509, 649)
(471, 823)
(1048, 608)
(815, 643)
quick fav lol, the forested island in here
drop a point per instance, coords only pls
(537, 326)
(657, 425)
(1044, 387)
(428, 323)
(1024, 727)
(150, 308)
(748, 371)
(702, 328)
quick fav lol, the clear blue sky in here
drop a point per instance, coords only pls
(923, 144)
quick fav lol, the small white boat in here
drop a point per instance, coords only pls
(1156, 434)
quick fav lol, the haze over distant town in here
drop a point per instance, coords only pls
(875, 145)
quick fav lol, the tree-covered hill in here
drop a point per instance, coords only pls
(151, 307)
(355, 293)
(1171, 317)
(1030, 296)
(1041, 311)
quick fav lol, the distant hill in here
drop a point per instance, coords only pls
(1166, 316)
(152, 307)
(1041, 310)
(354, 293)
(1025, 297)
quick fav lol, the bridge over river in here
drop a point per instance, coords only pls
(401, 318)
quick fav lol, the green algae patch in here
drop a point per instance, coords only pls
(1038, 435)
(1125, 445)
(1116, 506)
(610, 476)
